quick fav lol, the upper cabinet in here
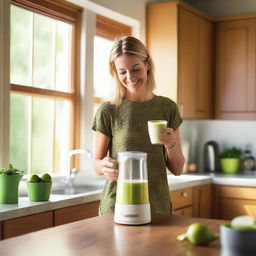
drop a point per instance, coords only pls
(235, 70)
(180, 40)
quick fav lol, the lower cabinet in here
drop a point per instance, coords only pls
(233, 201)
(23, 225)
(182, 202)
(75, 213)
(35, 222)
(192, 202)
(1, 231)
(202, 203)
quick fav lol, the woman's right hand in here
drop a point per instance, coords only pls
(109, 168)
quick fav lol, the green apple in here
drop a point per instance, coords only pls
(34, 178)
(46, 177)
(243, 222)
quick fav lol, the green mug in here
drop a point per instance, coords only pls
(40, 191)
(9, 185)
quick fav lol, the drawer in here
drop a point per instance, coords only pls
(187, 211)
(24, 225)
(238, 192)
(181, 198)
(75, 213)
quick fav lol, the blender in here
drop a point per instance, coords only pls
(132, 198)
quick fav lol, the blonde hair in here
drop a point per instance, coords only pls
(130, 46)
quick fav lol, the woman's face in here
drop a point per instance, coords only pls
(131, 72)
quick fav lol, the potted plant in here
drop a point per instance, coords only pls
(230, 160)
(9, 184)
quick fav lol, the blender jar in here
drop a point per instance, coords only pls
(132, 198)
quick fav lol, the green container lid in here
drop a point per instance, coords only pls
(38, 192)
(9, 185)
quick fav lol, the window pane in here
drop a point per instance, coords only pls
(42, 134)
(62, 143)
(19, 131)
(21, 34)
(44, 47)
(63, 56)
(102, 77)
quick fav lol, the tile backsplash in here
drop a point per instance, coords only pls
(225, 133)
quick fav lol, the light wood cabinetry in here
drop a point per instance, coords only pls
(182, 202)
(23, 225)
(180, 40)
(193, 202)
(75, 213)
(233, 201)
(202, 201)
(235, 70)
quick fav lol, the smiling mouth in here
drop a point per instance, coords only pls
(136, 83)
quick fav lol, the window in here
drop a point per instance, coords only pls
(43, 86)
(107, 31)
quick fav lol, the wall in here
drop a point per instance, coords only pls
(135, 9)
(226, 133)
(221, 8)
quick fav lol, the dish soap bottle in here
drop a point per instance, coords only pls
(248, 162)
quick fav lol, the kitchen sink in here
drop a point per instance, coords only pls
(77, 189)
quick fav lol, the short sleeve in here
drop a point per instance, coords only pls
(102, 119)
(176, 119)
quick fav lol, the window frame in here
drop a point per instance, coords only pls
(72, 14)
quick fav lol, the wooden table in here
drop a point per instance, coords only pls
(100, 236)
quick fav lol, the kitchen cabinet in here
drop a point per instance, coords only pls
(23, 225)
(232, 201)
(75, 213)
(202, 201)
(180, 40)
(235, 70)
(192, 202)
(182, 202)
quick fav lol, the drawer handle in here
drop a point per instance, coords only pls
(184, 194)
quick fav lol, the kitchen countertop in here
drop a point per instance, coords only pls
(26, 207)
(101, 236)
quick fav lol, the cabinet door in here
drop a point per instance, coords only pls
(181, 198)
(230, 208)
(189, 43)
(235, 70)
(162, 42)
(23, 225)
(75, 213)
(202, 201)
(1, 231)
(195, 93)
(187, 211)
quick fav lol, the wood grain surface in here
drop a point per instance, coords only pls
(101, 236)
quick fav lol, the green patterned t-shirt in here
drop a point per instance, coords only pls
(126, 125)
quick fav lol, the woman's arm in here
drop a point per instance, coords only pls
(175, 158)
(103, 164)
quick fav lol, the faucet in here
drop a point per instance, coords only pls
(73, 171)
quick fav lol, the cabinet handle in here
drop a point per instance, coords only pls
(184, 194)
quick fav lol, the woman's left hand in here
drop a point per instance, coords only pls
(168, 138)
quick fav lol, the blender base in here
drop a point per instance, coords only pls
(132, 214)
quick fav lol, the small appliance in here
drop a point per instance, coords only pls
(132, 198)
(211, 156)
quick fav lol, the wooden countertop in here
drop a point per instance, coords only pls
(101, 236)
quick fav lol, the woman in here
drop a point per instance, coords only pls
(121, 125)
